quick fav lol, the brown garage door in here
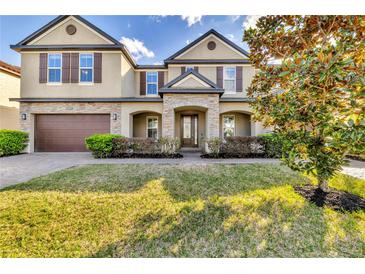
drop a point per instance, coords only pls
(67, 132)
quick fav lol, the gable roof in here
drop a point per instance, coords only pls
(205, 35)
(61, 18)
(211, 87)
(116, 44)
(14, 70)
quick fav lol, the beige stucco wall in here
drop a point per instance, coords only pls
(127, 78)
(222, 51)
(242, 124)
(111, 85)
(140, 124)
(191, 82)
(58, 35)
(9, 111)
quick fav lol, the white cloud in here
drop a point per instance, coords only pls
(158, 63)
(230, 36)
(129, 25)
(191, 19)
(250, 21)
(137, 48)
(234, 18)
(156, 18)
(187, 41)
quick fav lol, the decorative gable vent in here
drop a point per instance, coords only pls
(211, 45)
(71, 29)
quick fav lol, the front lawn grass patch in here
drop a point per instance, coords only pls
(175, 211)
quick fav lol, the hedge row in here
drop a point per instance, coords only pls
(117, 146)
(12, 142)
(264, 146)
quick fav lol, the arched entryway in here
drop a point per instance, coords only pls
(146, 124)
(190, 126)
(235, 123)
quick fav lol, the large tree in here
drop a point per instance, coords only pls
(309, 87)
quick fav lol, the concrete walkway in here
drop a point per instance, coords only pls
(21, 168)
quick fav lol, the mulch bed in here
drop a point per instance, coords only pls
(148, 155)
(335, 199)
(355, 157)
(232, 155)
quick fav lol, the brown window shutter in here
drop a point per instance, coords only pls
(196, 69)
(238, 79)
(142, 83)
(66, 67)
(97, 67)
(220, 77)
(183, 70)
(43, 67)
(161, 80)
(74, 67)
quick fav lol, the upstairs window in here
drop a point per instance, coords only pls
(189, 68)
(86, 67)
(152, 127)
(54, 67)
(229, 77)
(152, 83)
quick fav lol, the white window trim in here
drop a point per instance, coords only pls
(151, 117)
(54, 83)
(152, 83)
(92, 69)
(234, 119)
(235, 80)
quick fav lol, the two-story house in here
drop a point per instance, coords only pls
(77, 80)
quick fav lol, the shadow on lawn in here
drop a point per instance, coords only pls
(227, 228)
(182, 182)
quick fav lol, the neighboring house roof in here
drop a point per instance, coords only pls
(209, 88)
(196, 41)
(14, 70)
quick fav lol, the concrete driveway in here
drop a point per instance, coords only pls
(21, 168)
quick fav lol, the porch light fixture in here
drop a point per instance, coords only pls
(115, 116)
(24, 116)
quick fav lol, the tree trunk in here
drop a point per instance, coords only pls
(323, 185)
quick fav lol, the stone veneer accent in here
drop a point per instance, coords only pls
(67, 108)
(208, 101)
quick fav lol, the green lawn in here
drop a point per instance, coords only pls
(182, 211)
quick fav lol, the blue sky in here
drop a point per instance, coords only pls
(150, 39)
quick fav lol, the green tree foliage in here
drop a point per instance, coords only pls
(314, 97)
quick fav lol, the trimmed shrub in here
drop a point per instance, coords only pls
(134, 145)
(101, 145)
(214, 146)
(244, 146)
(263, 146)
(273, 145)
(169, 145)
(145, 147)
(12, 142)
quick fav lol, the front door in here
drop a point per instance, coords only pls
(189, 130)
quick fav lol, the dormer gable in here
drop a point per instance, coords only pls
(210, 46)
